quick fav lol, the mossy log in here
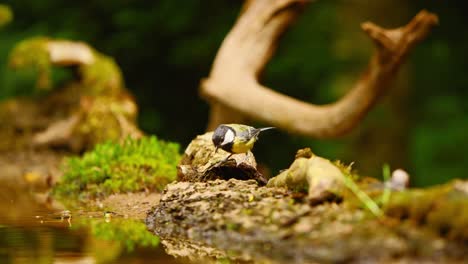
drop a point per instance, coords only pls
(242, 220)
(262, 223)
(315, 211)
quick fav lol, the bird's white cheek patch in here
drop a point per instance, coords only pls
(228, 137)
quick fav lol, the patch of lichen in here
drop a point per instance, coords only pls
(443, 209)
(134, 165)
(5, 15)
(32, 53)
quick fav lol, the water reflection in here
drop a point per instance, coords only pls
(40, 244)
(37, 229)
(47, 239)
(32, 230)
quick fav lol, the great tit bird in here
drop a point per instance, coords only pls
(236, 138)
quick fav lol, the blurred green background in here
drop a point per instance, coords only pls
(165, 47)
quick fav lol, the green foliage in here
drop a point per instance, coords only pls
(5, 15)
(439, 141)
(134, 165)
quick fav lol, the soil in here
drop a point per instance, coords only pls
(130, 205)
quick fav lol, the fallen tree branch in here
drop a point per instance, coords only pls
(233, 86)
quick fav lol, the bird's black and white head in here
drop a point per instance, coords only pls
(223, 137)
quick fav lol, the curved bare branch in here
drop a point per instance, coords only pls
(233, 81)
(64, 52)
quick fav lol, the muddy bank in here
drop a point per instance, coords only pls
(130, 205)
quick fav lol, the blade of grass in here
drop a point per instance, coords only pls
(387, 191)
(361, 195)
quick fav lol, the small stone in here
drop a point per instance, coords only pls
(399, 180)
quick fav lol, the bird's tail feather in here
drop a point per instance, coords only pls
(258, 130)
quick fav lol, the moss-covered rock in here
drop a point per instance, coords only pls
(81, 113)
(103, 118)
(102, 77)
(98, 73)
(134, 165)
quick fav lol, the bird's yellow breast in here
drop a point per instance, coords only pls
(243, 146)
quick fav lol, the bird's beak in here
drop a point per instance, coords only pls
(216, 149)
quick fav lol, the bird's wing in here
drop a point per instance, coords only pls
(245, 133)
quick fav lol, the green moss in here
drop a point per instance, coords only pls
(233, 226)
(443, 209)
(100, 120)
(134, 165)
(32, 53)
(5, 15)
(223, 261)
(102, 77)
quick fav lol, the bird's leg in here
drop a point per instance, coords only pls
(245, 157)
(227, 158)
(218, 163)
